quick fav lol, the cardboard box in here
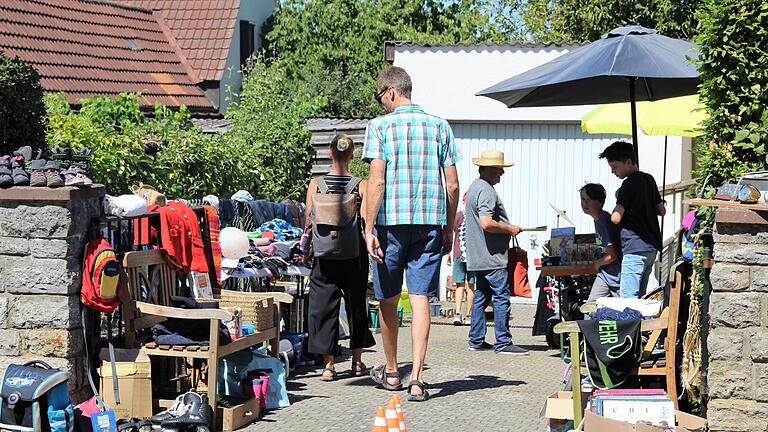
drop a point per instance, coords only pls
(558, 409)
(134, 378)
(685, 423)
(230, 419)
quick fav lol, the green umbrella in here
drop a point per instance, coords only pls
(680, 116)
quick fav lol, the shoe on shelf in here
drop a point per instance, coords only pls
(81, 175)
(6, 175)
(25, 152)
(74, 176)
(37, 173)
(20, 175)
(53, 175)
(457, 321)
(62, 156)
(485, 346)
(513, 349)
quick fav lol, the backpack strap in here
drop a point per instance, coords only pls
(322, 185)
(352, 184)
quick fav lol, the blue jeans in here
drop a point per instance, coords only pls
(491, 285)
(635, 270)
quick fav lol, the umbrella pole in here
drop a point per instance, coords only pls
(633, 109)
(664, 182)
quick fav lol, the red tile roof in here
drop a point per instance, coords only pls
(84, 48)
(202, 28)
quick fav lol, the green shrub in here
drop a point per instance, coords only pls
(268, 131)
(22, 111)
(733, 63)
(166, 150)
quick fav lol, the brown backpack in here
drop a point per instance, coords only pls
(335, 225)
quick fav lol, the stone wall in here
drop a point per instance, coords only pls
(738, 339)
(42, 235)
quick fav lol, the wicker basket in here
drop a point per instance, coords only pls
(255, 309)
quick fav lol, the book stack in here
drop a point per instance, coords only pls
(647, 406)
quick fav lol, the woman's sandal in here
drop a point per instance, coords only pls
(379, 375)
(417, 398)
(358, 369)
(328, 378)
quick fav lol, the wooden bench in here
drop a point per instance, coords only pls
(665, 323)
(150, 283)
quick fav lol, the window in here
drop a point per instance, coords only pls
(247, 40)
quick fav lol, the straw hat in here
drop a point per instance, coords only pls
(491, 157)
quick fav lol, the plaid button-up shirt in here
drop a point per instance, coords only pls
(416, 148)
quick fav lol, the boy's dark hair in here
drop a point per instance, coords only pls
(595, 191)
(619, 151)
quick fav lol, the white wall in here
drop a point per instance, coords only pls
(446, 79)
(255, 11)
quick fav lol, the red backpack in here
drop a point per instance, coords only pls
(101, 276)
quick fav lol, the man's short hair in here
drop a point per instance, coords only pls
(619, 151)
(397, 78)
(595, 191)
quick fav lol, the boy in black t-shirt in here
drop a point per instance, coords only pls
(638, 204)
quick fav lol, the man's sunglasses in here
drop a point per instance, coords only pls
(380, 95)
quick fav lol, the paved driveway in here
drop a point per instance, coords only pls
(471, 391)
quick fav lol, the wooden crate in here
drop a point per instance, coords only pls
(230, 419)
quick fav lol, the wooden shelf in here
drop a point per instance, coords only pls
(723, 203)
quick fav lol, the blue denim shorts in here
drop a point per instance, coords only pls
(415, 250)
(460, 274)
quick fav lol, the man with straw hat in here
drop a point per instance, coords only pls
(488, 236)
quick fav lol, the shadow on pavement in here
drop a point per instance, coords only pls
(474, 382)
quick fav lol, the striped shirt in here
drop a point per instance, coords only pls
(337, 184)
(416, 148)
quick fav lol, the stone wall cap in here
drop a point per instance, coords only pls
(67, 193)
(727, 215)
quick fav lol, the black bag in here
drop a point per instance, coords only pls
(34, 397)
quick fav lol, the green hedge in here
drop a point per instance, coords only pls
(22, 112)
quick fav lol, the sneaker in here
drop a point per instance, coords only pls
(37, 175)
(53, 174)
(71, 178)
(485, 346)
(513, 349)
(457, 320)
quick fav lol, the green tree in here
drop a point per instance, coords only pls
(268, 131)
(587, 20)
(22, 110)
(334, 48)
(733, 63)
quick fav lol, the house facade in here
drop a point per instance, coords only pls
(174, 52)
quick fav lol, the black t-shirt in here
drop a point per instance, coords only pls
(639, 226)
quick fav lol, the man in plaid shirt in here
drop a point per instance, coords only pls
(413, 211)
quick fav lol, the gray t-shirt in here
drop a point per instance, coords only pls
(485, 251)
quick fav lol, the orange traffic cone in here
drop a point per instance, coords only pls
(400, 415)
(380, 424)
(393, 424)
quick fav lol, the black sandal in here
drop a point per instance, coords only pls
(328, 378)
(379, 375)
(358, 372)
(417, 398)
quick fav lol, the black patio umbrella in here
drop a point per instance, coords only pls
(629, 64)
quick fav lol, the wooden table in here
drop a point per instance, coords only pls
(723, 203)
(568, 270)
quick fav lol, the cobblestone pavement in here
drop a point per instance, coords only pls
(471, 391)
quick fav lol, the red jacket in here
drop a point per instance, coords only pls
(179, 236)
